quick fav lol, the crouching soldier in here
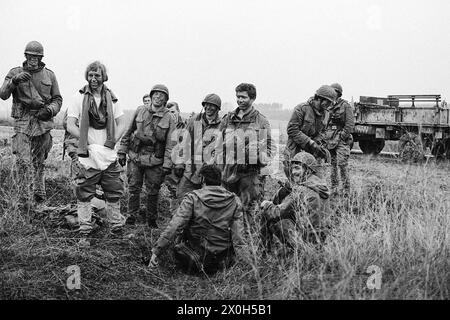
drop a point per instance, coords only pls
(101, 123)
(302, 206)
(148, 145)
(209, 224)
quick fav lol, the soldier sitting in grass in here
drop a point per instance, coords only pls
(301, 207)
(209, 224)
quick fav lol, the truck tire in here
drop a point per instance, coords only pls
(371, 147)
(441, 150)
(410, 148)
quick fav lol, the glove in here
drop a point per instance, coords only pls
(122, 159)
(21, 77)
(178, 172)
(153, 261)
(167, 171)
(44, 114)
(265, 204)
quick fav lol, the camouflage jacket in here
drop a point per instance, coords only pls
(230, 126)
(197, 125)
(340, 123)
(147, 140)
(40, 91)
(210, 218)
(306, 123)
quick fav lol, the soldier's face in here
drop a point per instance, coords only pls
(95, 79)
(33, 60)
(298, 174)
(159, 99)
(243, 100)
(211, 110)
(147, 101)
(324, 104)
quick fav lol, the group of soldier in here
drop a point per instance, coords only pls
(215, 198)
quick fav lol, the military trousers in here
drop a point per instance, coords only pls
(153, 178)
(31, 152)
(339, 164)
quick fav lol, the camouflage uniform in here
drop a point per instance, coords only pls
(209, 225)
(245, 179)
(148, 145)
(304, 208)
(338, 137)
(306, 123)
(32, 140)
(191, 179)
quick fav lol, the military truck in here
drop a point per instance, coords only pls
(417, 122)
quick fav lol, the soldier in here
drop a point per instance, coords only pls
(242, 176)
(101, 123)
(148, 145)
(302, 206)
(210, 223)
(146, 99)
(306, 127)
(172, 180)
(36, 100)
(339, 137)
(209, 120)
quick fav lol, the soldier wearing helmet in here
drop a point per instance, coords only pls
(148, 145)
(306, 127)
(338, 137)
(246, 129)
(201, 128)
(36, 100)
(301, 206)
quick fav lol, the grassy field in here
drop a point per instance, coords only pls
(397, 219)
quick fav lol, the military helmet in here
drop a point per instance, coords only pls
(307, 159)
(35, 48)
(337, 87)
(327, 92)
(160, 88)
(214, 99)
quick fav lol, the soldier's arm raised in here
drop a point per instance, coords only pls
(178, 223)
(293, 128)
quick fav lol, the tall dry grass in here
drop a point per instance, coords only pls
(397, 218)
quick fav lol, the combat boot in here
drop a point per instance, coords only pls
(115, 219)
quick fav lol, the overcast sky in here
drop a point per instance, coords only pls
(286, 48)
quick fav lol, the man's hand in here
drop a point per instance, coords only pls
(265, 204)
(319, 151)
(21, 77)
(153, 261)
(44, 114)
(122, 158)
(178, 172)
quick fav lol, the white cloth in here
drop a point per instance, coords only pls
(100, 157)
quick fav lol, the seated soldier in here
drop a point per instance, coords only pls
(209, 224)
(301, 206)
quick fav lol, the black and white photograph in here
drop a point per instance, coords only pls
(228, 158)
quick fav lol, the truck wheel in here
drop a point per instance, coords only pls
(371, 147)
(410, 148)
(441, 150)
